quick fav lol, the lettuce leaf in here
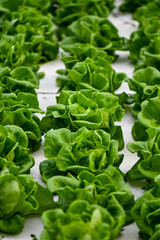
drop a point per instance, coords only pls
(26, 34)
(66, 12)
(146, 212)
(7, 5)
(20, 79)
(20, 196)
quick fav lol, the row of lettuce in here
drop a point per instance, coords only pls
(85, 74)
(26, 40)
(144, 53)
(82, 140)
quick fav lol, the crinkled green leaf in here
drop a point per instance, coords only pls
(48, 169)
(13, 225)
(20, 196)
(25, 75)
(146, 212)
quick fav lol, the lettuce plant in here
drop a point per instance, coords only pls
(148, 117)
(148, 29)
(8, 6)
(94, 75)
(150, 26)
(146, 84)
(146, 212)
(81, 51)
(20, 196)
(150, 55)
(18, 110)
(94, 189)
(15, 52)
(143, 43)
(91, 150)
(149, 10)
(37, 30)
(66, 12)
(26, 33)
(148, 165)
(76, 109)
(20, 79)
(13, 147)
(84, 221)
(132, 5)
(138, 40)
(96, 31)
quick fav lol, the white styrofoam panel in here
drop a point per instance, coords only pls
(48, 83)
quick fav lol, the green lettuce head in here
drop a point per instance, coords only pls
(146, 212)
(92, 74)
(150, 55)
(85, 108)
(94, 189)
(13, 147)
(146, 84)
(91, 150)
(18, 110)
(82, 51)
(84, 221)
(20, 196)
(148, 117)
(148, 165)
(99, 32)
